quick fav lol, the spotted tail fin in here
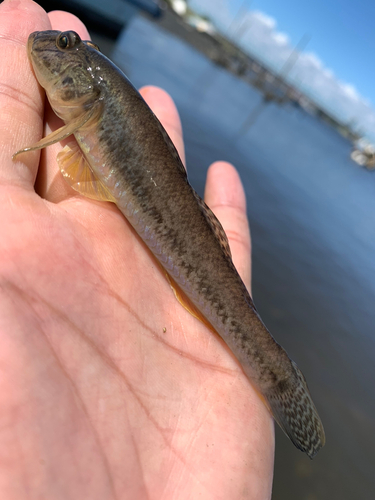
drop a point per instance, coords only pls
(295, 412)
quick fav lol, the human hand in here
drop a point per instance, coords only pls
(109, 388)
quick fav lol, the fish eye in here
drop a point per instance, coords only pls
(68, 40)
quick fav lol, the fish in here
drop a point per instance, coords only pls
(122, 154)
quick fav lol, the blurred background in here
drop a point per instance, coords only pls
(284, 92)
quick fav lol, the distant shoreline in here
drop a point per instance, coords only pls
(223, 52)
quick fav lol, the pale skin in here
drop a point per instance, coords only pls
(109, 389)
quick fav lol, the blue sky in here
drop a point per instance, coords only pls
(337, 67)
(342, 35)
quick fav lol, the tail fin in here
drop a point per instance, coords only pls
(293, 409)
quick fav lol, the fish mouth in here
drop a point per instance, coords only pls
(43, 54)
(30, 42)
(40, 40)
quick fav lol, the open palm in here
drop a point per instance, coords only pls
(108, 387)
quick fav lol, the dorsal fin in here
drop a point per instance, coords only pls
(215, 225)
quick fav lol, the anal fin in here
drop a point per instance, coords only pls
(187, 304)
(77, 172)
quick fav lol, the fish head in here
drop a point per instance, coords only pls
(64, 65)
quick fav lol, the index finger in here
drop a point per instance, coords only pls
(21, 99)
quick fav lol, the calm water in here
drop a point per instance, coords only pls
(312, 214)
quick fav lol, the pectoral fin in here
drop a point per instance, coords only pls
(61, 133)
(78, 174)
